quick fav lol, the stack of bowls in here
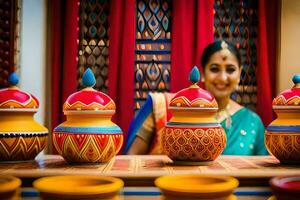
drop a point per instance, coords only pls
(197, 186)
(78, 187)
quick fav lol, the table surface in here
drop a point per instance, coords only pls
(140, 171)
(143, 169)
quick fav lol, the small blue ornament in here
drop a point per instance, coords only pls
(88, 78)
(296, 79)
(13, 79)
(195, 75)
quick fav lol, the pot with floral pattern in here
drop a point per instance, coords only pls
(193, 136)
(282, 137)
(21, 137)
(88, 135)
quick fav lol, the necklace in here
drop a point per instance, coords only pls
(224, 114)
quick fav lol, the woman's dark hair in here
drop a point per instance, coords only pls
(217, 46)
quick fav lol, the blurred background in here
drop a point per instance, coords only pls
(142, 46)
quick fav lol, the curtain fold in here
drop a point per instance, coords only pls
(265, 76)
(64, 48)
(192, 30)
(272, 18)
(121, 60)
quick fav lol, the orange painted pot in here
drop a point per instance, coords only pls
(88, 135)
(282, 137)
(193, 136)
(21, 137)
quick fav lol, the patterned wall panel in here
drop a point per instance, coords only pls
(9, 38)
(153, 48)
(236, 21)
(93, 41)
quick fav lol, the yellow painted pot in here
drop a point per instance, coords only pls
(282, 137)
(9, 188)
(21, 137)
(79, 187)
(197, 186)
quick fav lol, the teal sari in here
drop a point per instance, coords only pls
(246, 134)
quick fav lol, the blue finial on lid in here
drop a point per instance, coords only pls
(195, 75)
(13, 79)
(88, 78)
(296, 79)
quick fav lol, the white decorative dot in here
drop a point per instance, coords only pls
(78, 108)
(201, 105)
(251, 146)
(96, 108)
(11, 106)
(242, 145)
(243, 132)
(253, 131)
(178, 104)
(296, 103)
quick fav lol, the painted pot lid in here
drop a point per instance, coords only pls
(89, 99)
(194, 97)
(289, 99)
(14, 99)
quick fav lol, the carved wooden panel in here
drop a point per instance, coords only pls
(9, 38)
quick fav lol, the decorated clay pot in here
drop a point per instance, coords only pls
(88, 135)
(282, 137)
(193, 136)
(21, 137)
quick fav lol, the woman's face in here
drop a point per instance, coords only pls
(222, 75)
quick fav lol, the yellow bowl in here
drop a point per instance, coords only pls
(78, 187)
(197, 186)
(9, 187)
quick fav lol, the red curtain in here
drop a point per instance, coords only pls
(64, 47)
(272, 17)
(121, 60)
(266, 58)
(192, 30)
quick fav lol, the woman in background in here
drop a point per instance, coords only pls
(222, 70)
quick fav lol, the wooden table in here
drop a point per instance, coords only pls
(139, 173)
(142, 170)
